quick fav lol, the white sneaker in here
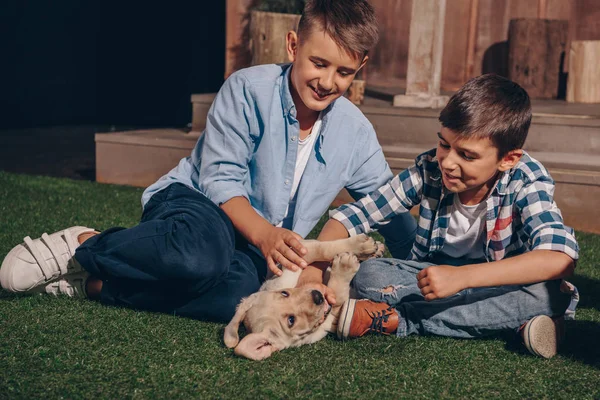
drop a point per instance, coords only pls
(542, 335)
(37, 262)
(72, 285)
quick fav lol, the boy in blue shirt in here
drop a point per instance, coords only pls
(280, 143)
(491, 247)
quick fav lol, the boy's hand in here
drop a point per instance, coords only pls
(282, 246)
(440, 281)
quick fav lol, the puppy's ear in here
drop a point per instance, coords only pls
(231, 337)
(255, 346)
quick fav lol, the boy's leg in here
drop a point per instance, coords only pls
(399, 235)
(470, 313)
(183, 248)
(35, 263)
(182, 236)
(216, 303)
(219, 303)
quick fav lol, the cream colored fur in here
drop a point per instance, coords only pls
(281, 315)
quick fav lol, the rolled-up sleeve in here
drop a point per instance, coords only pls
(228, 142)
(542, 219)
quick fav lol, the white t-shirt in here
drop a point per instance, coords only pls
(464, 237)
(304, 149)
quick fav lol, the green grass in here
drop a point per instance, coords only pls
(60, 347)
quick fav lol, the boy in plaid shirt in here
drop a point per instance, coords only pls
(491, 247)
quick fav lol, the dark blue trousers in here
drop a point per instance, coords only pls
(183, 258)
(186, 258)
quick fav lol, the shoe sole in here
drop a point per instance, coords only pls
(541, 336)
(345, 319)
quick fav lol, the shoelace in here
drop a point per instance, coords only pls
(379, 318)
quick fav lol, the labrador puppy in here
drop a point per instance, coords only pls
(281, 315)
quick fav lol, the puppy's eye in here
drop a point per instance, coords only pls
(285, 294)
(291, 320)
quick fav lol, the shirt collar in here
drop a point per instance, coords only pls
(502, 182)
(286, 94)
(289, 108)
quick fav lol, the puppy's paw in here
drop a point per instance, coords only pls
(366, 247)
(380, 250)
(345, 265)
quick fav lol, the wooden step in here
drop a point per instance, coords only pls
(139, 158)
(565, 138)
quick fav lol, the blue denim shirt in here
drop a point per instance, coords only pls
(249, 149)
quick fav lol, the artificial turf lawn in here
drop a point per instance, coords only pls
(60, 347)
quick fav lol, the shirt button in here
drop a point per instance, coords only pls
(293, 138)
(287, 182)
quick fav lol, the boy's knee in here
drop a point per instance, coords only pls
(369, 275)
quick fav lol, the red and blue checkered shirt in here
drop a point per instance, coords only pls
(521, 213)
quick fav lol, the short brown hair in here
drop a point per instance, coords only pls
(490, 106)
(350, 23)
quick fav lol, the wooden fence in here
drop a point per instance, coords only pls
(475, 35)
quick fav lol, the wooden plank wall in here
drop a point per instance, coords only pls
(475, 38)
(387, 66)
(237, 35)
(464, 56)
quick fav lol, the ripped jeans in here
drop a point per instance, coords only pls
(467, 314)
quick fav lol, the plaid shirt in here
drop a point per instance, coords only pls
(521, 213)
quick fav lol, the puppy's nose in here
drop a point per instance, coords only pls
(317, 297)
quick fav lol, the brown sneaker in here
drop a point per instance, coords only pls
(359, 317)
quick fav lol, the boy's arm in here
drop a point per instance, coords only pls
(398, 196)
(332, 230)
(535, 266)
(229, 140)
(553, 245)
(395, 197)
(278, 245)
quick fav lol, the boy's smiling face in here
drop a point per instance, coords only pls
(470, 166)
(322, 71)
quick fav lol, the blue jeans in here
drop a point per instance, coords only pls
(183, 258)
(467, 314)
(399, 235)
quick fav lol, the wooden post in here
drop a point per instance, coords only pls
(471, 40)
(542, 9)
(425, 52)
(535, 48)
(584, 74)
(237, 31)
(267, 34)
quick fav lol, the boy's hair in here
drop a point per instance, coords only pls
(490, 106)
(350, 23)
